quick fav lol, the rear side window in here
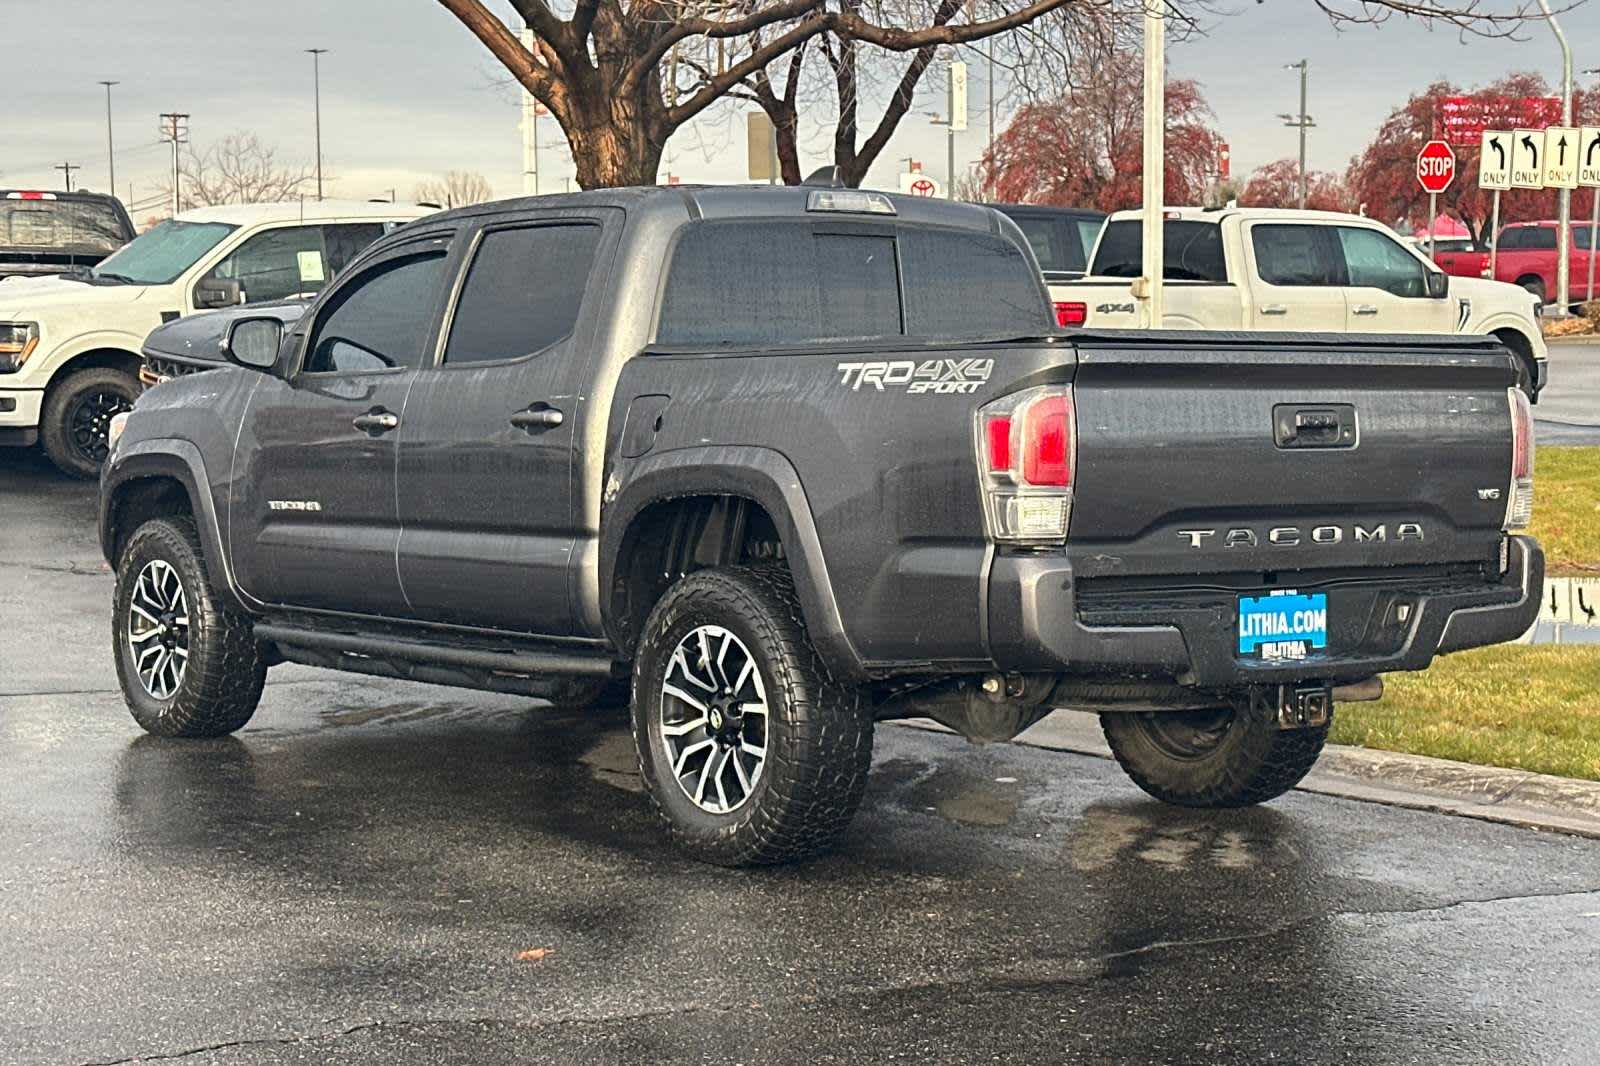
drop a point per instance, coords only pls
(779, 283)
(965, 284)
(1193, 251)
(522, 292)
(1295, 255)
(772, 284)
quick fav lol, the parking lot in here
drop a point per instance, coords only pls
(354, 876)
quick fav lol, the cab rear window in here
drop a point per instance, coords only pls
(785, 283)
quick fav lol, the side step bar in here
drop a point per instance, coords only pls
(517, 670)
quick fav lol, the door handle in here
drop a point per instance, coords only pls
(1275, 309)
(1363, 309)
(376, 421)
(537, 417)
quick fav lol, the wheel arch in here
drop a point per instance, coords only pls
(109, 357)
(1521, 346)
(157, 478)
(686, 509)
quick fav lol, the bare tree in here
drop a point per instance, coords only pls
(456, 189)
(621, 77)
(238, 169)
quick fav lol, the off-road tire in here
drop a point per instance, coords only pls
(1251, 761)
(55, 430)
(225, 672)
(819, 740)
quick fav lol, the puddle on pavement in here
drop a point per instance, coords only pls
(1171, 839)
(613, 761)
(396, 713)
(966, 798)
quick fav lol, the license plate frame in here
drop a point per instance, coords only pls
(1281, 625)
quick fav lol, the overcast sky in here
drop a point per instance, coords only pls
(407, 93)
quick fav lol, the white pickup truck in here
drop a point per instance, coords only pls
(1268, 269)
(69, 345)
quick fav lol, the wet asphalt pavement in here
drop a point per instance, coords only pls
(352, 877)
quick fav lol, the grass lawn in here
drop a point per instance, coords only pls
(1529, 707)
(1566, 508)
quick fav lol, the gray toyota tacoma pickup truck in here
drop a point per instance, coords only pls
(791, 462)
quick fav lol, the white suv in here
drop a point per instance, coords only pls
(69, 345)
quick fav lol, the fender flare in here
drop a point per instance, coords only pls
(761, 475)
(179, 460)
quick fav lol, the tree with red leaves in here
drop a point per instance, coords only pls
(1278, 185)
(1384, 176)
(1084, 149)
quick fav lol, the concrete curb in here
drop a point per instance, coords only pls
(1487, 793)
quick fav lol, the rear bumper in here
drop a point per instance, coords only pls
(1039, 623)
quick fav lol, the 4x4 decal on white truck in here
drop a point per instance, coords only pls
(943, 376)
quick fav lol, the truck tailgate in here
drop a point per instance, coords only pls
(1223, 453)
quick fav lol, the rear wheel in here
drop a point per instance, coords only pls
(188, 664)
(752, 751)
(76, 419)
(1535, 285)
(1223, 757)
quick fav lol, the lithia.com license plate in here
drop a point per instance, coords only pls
(1283, 625)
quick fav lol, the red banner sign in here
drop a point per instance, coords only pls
(1461, 120)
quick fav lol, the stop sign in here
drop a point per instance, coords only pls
(1436, 166)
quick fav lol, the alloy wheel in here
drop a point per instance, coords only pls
(714, 719)
(89, 422)
(158, 629)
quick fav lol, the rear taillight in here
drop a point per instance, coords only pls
(1047, 442)
(1519, 504)
(1027, 448)
(1071, 313)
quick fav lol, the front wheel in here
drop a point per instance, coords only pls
(188, 664)
(1224, 757)
(752, 751)
(75, 422)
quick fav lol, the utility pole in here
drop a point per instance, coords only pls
(316, 86)
(175, 130)
(1303, 121)
(111, 152)
(67, 169)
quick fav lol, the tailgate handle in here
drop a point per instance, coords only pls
(1329, 425)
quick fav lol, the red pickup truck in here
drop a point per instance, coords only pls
(1527, 257)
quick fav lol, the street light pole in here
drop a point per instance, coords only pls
(111, 152)
(1303, 121)
(316, 82)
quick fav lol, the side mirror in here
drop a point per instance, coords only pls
(1438, 284)
(212, 293)
(253, 342)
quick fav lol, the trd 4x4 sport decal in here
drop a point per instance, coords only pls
(945, 376)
